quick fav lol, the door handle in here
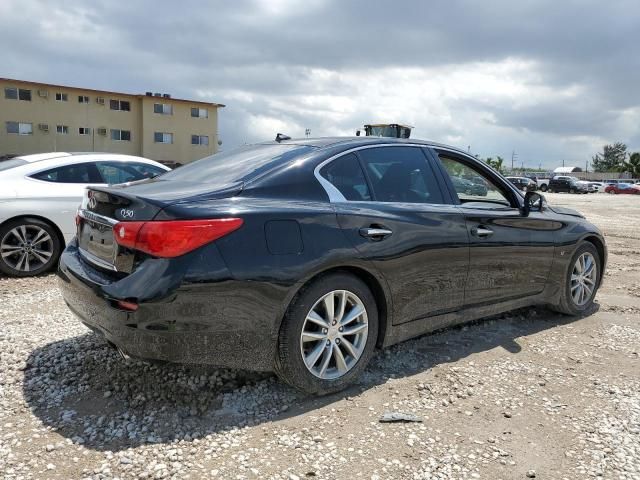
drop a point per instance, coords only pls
(481, 231)
(375, 233)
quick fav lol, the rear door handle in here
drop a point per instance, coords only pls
(375, 233)
(481, 231)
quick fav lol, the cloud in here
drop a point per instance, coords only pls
(548, 79)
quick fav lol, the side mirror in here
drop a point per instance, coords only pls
(533, 202)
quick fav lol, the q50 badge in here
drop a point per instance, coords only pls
(126, 213)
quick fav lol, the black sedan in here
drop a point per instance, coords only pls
(304, 256)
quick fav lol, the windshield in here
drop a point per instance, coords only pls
(236, 165)
(13, 162)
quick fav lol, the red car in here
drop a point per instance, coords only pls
(623, 188)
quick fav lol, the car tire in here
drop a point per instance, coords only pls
(543, 188)
(28, 247)
(572, 190)
(573, 281)
(308, 313)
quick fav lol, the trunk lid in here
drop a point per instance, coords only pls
(103, 207)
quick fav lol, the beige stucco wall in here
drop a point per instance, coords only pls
(141, 121)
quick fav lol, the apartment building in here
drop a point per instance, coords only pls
(40, 117)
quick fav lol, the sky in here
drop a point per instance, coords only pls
(552, 81)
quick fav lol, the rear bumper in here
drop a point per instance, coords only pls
(188, 325)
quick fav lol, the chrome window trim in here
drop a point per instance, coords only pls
(334, 194)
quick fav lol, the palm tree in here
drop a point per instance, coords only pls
(632, 166)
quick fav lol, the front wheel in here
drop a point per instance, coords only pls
(581, 281)
(328, 335)
(28, 247)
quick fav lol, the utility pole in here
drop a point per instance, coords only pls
(514, 155)
(468, 148)
(563, 162)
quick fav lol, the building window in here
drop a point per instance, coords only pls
(200, 113)
(62, 129)
(83, 99)
(199, 140)
(120, 105)
(84, 131)
(62, 97)
(121, 135)
(163, 108)
(12, 93)
(162, 137)
(20, 128)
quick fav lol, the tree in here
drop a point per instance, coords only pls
(611, 158)
(496, 164)
(632, 166)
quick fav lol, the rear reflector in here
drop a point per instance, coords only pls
(172, 238)
(129, 306)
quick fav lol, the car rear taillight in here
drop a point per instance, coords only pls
(174, 237)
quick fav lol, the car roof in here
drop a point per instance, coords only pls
(46, 161)
(322, 142)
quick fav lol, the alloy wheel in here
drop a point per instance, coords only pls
(334, 334)
(26, 248)
(583, 279)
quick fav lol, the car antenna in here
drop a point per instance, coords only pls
(280, 137)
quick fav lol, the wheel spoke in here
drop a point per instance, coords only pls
(315, 354)
(42, 255)
(329, 307)
(41, 239)
(353, 330)
(348, 346)
(9, 251)
(19, 265)
(326, 359)
(341, 364)
(313, 336)
(354, 313)
(16, 233)
(589, 280)
(317, 319)
(342, 303)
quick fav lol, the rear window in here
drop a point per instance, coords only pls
(236, 165)
(13, 162)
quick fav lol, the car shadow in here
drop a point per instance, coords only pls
(81, 388)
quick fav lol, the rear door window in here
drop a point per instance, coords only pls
(400, 174)
(347, 176)
(79, 173)
(119, 172)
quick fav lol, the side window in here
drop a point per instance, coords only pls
(116, 172)
(400, 174)
(471, 185)
(81, 173)
(346, 175)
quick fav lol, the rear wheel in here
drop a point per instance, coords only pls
(543, 188)
(328, 335)
(572, 190)
(581, 281)
(28, 247)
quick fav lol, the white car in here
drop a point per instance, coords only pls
(39, 196)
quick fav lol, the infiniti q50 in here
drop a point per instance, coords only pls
(304, 256)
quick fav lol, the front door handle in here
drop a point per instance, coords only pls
(375, 233)
(481, 231)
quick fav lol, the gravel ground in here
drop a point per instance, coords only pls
(531, 394)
